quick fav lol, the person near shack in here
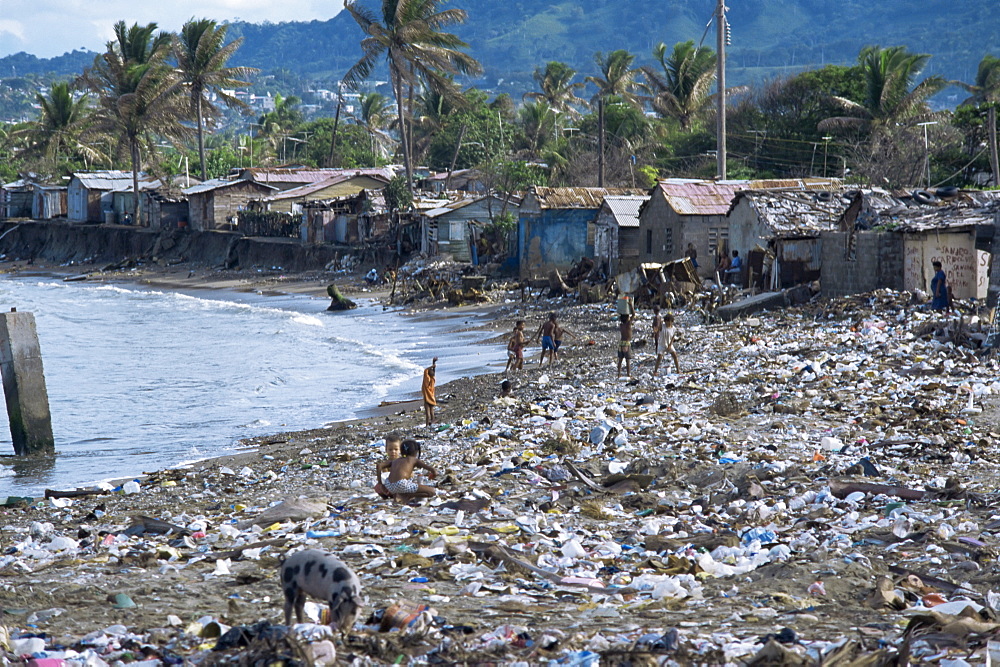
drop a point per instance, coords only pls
(735, 269)
(692, 253)
(722, 265)
(427, 389)
(940, 293)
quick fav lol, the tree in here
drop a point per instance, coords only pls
(202, 61)
(557, 88)
(57, 131)
(539, 124)
(986, 93)
(280, 122)
(409, 36)
(617, 78)
(374, 118)
(137, 95)
(892, 96)
(681, 88)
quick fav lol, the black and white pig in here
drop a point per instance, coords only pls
(324, 576)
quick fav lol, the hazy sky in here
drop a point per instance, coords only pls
(49, 28)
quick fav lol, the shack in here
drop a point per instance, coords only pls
(90, 194)
(683, 211)
(289, 178)
(556, 227)
(339, 185)
(888, 240)
(778, 233)
(15, 198)
(350, 219)
(457, 227)
(616, 233)
(48, 201)
(216, 203)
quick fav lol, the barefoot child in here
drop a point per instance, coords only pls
(515, 348)
(625, 345)
(393, 442)
(665, 343)
(427, 389)
(400, 482)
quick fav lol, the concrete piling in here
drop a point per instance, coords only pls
(24, 385)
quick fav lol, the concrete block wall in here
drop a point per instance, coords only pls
(877, 263)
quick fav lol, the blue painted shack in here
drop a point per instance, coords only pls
(556, 227)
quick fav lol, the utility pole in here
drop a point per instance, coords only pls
(927, 154)
(720, 32)
(991, 124)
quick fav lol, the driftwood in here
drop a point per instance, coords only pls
(79, 493)
(842, 489)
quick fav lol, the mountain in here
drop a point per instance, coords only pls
(513, 37)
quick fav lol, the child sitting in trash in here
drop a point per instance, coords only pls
(400, 482)
(393, 442)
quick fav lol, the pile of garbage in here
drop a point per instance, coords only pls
(818, 486)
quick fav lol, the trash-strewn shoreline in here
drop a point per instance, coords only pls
(703, 517)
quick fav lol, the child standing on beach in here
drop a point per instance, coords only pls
(515, 348)
(625, 344)
(393, 444)
(400, 482)
(427, 388)
(665, 338)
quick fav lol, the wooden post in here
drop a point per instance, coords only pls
(24, 385)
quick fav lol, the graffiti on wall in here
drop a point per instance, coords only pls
(962, 263)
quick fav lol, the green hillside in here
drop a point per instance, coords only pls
(512, 37)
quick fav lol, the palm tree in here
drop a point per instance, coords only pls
(986, 92)
(617, 79)
(558, 90)
(539, 123)
(681, 88)
(202, 58)
(138, 95)
(374, 118)
(278, 123)
(415, 49)
(60, 125)
(892, 95)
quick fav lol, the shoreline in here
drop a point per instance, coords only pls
(289, 285)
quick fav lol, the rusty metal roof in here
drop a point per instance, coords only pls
(701, 197)
(316, 186)
(266, 175)
(904, 213)
(791, 213)
(625, 208)
(577, 197)
(219, 183)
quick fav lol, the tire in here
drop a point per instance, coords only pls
(924, 197)
(947, 192)
(824, 196)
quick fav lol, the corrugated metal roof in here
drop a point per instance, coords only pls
(578, 197)
(265, 175)
(218, 183)
(306, 190)
(700, 197)
(904, 213)
(625, 208)
(107, 180)
(798, 212)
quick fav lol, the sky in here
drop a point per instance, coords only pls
(47, 28)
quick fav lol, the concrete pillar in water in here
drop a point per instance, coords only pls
(24, 385)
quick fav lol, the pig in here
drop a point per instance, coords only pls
(324, 576)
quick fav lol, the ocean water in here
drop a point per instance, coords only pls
(142, 379)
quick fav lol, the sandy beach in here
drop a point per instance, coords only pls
(690, 517)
